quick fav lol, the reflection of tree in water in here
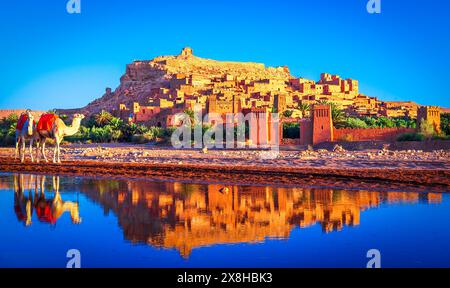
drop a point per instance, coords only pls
(47, 210)
(185, 216)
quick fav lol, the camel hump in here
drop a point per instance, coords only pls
(22, 119)
(46, 122)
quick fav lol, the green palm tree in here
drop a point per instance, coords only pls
(303, 107)
(287, 113)
(103, 118)
(191, 115)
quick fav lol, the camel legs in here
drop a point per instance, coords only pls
(57, 151)
(40, 150)
(41, 145)
(57, 199)
(59, 154)
(42, 183)
(17, 147)
(31, 150)
(22, 154)
(43, 151)
(38, 142)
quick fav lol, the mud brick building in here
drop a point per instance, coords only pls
(431, 115)
(319, 128)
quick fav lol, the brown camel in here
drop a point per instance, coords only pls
(57, 131)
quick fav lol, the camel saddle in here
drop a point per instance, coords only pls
(22, 119)
(46, 122)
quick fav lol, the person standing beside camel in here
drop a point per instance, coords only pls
(51, 126)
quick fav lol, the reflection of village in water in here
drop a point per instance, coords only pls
(186, 216)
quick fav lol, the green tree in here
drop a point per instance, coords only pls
(129, 130)
(370, 122)
(291, 130)
(103, 118)
(445, 123)
(191, 115)
(101, 134)
(385, 122)
(426, 129)
(352, 122)
(287, 113)
(11, 119)
(303, 107)
(116, 123)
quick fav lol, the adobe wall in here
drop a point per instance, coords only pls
(306, 132)
(369, 134)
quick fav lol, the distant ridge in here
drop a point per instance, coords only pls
(5, 113)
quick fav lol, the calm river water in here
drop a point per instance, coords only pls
(127, 223)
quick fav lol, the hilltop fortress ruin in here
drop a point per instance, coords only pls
(151, 91)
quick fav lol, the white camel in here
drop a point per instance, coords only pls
(57, 132)
(26, 132)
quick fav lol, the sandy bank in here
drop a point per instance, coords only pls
(386, 170)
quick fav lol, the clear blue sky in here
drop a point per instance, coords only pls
(52, 59)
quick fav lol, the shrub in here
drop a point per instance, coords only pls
(101, 134)
(8, 130)
(7, 140)
(291, 130)
(411, 137)
(351, 122)
(445, 123)
(116, 135)
(385, 122)
(426, 129)
(370, 121)
(140, 139)
(441, 136)
(287, 113)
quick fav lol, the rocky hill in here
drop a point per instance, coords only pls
(142, 76)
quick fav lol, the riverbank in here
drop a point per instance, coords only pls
(368, 169)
